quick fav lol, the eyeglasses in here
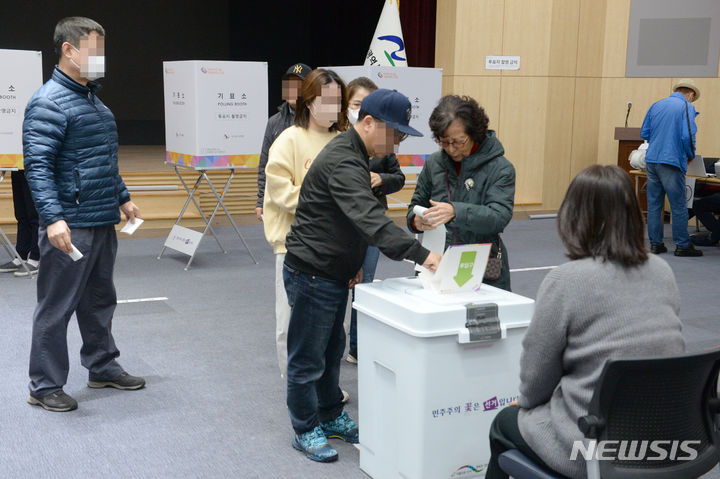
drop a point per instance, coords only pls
(455, 143)
(398, 135)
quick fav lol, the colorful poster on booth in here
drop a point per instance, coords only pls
(20, 78)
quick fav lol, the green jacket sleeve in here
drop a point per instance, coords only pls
(421, 196)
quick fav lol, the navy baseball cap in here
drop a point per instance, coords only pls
(299, 70)
(391, 107)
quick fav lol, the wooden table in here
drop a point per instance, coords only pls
(640, 178)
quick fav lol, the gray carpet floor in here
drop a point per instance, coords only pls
(215, 404)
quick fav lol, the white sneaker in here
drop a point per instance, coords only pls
(346, 396)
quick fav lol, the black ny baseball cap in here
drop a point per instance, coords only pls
(299, 70)
(391, 107)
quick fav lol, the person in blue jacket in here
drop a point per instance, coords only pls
(70, 147)
(669, 127)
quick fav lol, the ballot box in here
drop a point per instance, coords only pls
(434, 369)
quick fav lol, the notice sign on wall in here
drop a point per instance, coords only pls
(215, 112)
(20, 78)
(502, 62)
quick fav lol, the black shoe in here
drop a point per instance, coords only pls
(124, 381)
(689, 251)
(9, 267)
(703, 240)
(658, 248)
(56, 402)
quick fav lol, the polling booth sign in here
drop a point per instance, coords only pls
(215, 115)
(20, 77)
(215, 112)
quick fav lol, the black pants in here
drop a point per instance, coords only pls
(505, 435)
(26, 216)
(705, 208)
(84, 287)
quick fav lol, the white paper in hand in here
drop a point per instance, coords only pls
(419, 210)
(461, 269)
(130, 228)
(75, 254)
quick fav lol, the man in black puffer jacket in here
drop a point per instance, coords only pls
(70, 153)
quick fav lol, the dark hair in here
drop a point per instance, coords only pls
(72, 29)
(683, 90)
(312, 88)
(464, 108)
(358, 83)
(600, 217)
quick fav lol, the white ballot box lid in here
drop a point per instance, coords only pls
(403, 304)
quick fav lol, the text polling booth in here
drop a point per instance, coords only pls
(20, 77)
(215, 115)
(423, 86)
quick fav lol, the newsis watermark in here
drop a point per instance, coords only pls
(636, 450)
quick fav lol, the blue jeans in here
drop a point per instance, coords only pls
(369, 266)
(315, 343)
(664, 179)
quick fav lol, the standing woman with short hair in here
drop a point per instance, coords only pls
(321, 112)
(385, 177)
(468, 185)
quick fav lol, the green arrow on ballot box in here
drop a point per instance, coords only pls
(465, 268)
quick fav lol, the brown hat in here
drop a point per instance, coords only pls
(687, 83)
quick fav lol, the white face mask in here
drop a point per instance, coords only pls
(95, 67)
(396, 148)
(353, 115)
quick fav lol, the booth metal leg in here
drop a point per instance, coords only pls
(227, 213)
(191, 197)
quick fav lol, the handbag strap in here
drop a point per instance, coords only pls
(687, 116)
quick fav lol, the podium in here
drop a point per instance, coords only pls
(629, 139)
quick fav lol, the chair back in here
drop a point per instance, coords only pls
(662, 414)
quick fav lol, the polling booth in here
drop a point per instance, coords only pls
(423, 86)
(439, 356)
(20, 78)
(215, 116)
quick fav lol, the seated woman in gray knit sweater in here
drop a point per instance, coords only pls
(612, 300)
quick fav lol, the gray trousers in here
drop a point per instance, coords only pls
(84, 287)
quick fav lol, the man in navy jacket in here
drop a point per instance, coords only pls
(669, 127)
(70, 152)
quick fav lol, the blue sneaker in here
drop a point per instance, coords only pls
(315, 446)
(342, 427)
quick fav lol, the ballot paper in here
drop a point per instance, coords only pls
(433, 240)
(461, 269)
(130, 228)
(75, 254)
